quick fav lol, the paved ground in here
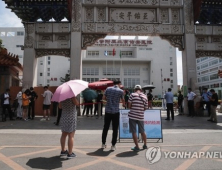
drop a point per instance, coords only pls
(35, 145)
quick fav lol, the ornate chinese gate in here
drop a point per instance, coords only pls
(90, 20)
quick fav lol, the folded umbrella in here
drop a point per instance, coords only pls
(69, 89)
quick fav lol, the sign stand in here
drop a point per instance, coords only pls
(152, 126)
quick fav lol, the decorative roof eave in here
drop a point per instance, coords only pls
(32, 10)
(8, 59)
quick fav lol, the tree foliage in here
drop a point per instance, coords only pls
(65, 79)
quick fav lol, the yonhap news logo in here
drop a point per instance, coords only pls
(153, 155)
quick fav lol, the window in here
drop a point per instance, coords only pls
(93, 53)
(48, 74)
(48, 81)
(48, 62)
(111, 71)
(20, 56)
(204, 58)
(171, 58)
(40, 74)
(171, 81)
(90, 71)
(204, 65)
(41, 62)
(214, 69)
(68, 71)
(204, 72)
(145, 81)
(90, 80)
(213, 62)
(205, 78)
(213, 76)
(19, 46)
(198, 67)
(126, 53)
(2, 34)
(198, 60)
(171, 85)
(131, 71)
(199, 80)
(220, 60)
(171, 63)
(20, 33)
(171, 70)
(131, 82)
(48, 69)
(10, 34)
(171, 74)
(49, 57)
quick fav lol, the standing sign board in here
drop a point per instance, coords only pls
(152, 125)
(124, 132)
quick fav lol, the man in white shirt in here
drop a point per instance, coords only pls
(46, 103)
(190, 97)
(5, 101)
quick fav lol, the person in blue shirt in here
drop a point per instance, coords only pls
(169, 101)
(205, 96)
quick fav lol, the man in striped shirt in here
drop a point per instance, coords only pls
(112, 95)
(137, 103)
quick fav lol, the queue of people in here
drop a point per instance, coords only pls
(137, 102)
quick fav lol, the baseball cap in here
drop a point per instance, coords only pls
(137, 87)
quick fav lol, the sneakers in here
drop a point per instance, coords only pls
(113, 148)
(144, 146)
(71, 156)
(47, 119)
(103, 146)
(43, 119)
(135, 149)
(64, 153)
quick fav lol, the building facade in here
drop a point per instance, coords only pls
(152, 61)
(207, 73)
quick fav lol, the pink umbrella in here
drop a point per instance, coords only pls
(69, 89)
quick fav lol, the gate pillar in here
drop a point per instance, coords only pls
(189, 54)
(29, 62)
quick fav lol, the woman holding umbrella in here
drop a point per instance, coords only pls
(68, 125)
(66, 94)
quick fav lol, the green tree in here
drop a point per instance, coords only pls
(67, 78)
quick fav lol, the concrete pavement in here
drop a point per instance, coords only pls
(35, 145)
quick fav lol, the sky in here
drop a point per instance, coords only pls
(9, 19)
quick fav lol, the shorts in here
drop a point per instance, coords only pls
(46, 107)
(132, 125)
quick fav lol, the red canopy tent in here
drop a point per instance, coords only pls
(101, 84)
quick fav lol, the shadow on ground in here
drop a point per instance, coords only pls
(99, 152)
(127, 154)
(45, 163)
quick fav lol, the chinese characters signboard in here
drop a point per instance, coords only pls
(133, 15)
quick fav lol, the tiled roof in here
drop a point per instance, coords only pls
(7, 59)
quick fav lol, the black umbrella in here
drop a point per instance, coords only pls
(148, 87)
